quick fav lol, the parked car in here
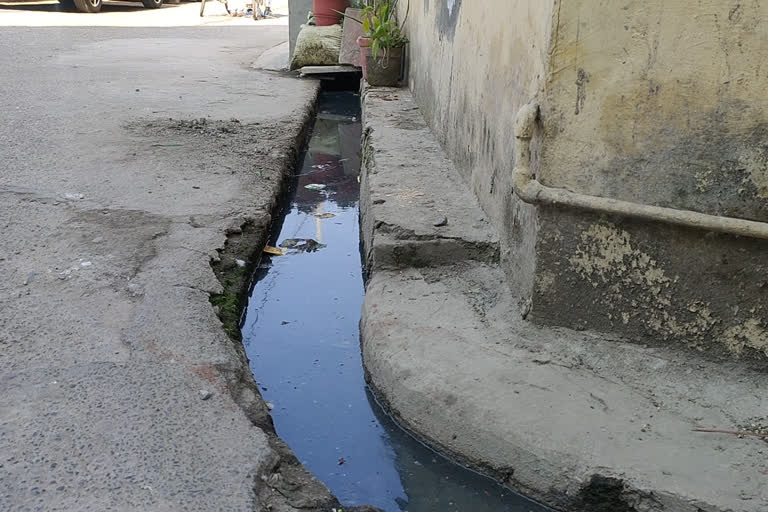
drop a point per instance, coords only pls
(95, 5)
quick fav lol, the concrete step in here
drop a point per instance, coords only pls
(416, 209)
(569, 418)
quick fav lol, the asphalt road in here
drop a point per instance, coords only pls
(131, 141)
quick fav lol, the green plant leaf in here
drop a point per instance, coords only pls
(381, 26)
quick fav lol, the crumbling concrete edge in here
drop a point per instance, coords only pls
(244, 242)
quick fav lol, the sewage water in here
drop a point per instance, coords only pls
(301, 334)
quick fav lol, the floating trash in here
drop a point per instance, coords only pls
(301, 244)
(275, 251)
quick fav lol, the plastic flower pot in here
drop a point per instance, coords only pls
(384, 70)
(325, 11)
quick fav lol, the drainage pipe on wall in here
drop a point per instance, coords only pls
(531, 191)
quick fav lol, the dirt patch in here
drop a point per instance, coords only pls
(604, 494)
(225, 145)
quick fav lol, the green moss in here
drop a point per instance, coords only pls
(229, 312)
(244, 246)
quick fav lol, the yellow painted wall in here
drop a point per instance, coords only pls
(660, 101)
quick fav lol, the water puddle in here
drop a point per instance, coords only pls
(301, 334)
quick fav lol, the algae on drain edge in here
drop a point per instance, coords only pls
(244, 246)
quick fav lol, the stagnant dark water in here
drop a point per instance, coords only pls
(301, 334)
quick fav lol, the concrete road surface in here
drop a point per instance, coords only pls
(131, 142)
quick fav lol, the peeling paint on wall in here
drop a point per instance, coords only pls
(755, 161)
(545, 281)
(606, 256)
(606, 253)
(705, 292)
(752, 333)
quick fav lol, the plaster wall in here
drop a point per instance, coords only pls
(659, 102)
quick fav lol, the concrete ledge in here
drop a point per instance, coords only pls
(573, 420)
(418, 211)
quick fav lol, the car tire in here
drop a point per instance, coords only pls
(152, 4)
(87, 5)
(67, 5)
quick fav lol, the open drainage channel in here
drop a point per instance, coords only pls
(301, 334)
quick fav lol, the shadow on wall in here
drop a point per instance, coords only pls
(447, 17)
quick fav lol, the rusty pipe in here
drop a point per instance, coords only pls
(530, 190)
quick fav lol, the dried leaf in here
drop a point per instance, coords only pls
(273, 250)
(325, 215)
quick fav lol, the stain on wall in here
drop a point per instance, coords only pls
(448, 17)
(752, 334)
(582, 77)
(670, 104)
(705, 291)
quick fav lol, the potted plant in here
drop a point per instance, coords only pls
(382, 43)
(327, 11)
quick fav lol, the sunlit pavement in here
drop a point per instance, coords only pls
(133, 14)
(114, 197)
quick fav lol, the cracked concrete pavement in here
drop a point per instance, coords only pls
(127, 153)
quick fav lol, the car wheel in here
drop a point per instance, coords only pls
(152, 4)
(67, 5)
(88, 5)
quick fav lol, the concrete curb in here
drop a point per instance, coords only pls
(417, 210)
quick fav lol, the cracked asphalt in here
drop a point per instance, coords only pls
(132, 143)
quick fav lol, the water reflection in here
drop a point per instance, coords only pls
(302, 336)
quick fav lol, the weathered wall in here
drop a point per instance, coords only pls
(654, 101)
(652, 282)
(473, 65)
(659, 102)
